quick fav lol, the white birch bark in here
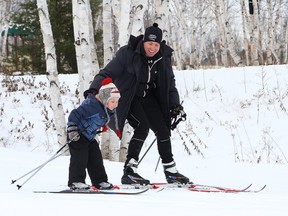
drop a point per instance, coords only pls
(110, 146)
(245, 23)
(107, 31)
(230, 43)
(127, 135)
(52, 73)
(276, 48)
(269, 33)
(221, 31)
(138, 8)
(5, 13)
(285, 43)
(116, 14)
(193, 50)
(161, 16)
(193, 60)
(94, 58)
(109, 140)
(254, 34)
(174, 41)
(273, 24)
(178, 39)
(124, 22)
(85, 52)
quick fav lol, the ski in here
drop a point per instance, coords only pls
(256, 191)
(110, 192)
(208, 188)
(205, 188)
(139, 187)
(191, 187)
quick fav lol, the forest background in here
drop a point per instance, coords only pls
(81, 36)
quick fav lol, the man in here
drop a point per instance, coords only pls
(142, 71)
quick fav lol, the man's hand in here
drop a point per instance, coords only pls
(176, 110)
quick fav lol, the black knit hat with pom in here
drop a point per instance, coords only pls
(153, 33)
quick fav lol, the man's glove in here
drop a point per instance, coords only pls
(177, 114)
(73, 133)
(176, 110)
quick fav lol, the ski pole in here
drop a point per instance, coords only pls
(37, 169)
(173, 126)
(146, 151)
(157, 164)
(181, 117)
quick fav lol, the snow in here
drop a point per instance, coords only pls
(236, 119)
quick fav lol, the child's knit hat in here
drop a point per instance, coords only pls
(108, 90)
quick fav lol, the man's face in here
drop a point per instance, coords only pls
(151, 48)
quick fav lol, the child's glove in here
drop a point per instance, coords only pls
(73, 133)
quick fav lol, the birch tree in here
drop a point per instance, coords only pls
(230, 37)
(109, 140)
(52, 74)
(221, 31)
(161, 16)
(138, 8)
(108, 36)
(5, 15)
(274, 11)
(284, 45)
(254, 34)
(121, 12)
(192, 36)
(176, 37)
(244, 16)
(87, 62)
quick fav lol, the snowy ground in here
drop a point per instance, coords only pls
(236, 120)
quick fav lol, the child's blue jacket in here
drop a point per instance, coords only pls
(89, 117)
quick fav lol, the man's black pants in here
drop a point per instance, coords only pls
(144, 114)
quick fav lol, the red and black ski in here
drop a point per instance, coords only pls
(192, 187)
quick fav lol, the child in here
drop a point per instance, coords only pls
(83, 125)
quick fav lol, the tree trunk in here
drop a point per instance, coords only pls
(245, 23)
(84, 44)
(284, 45)
(254, 29)
(107, 32)
(52, 73)
(124, 23)
(5, 13)
(138, 8)
(127, 134)
(219, 13)
(161, 16)
(109, 140)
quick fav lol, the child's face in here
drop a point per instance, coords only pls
(112, 103)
